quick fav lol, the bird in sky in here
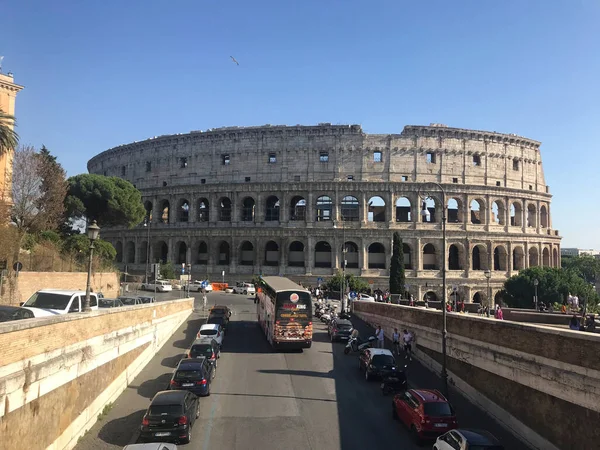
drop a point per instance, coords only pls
(233, 59)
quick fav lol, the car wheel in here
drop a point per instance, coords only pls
(346, 351)
(189, 437)
(245, 292)
(415, 435)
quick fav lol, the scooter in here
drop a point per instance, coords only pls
(355, 345)
(394, 382)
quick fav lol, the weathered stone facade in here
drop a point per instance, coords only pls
(283, 200)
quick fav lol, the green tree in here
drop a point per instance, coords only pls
(167, 271)
(108, 200)
(586, 266)
(353, 283)
(50, 236)
(8, 137)
(397, 276)
(105, 250)
(53, 189)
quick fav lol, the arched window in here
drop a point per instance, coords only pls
(407, 256)
(403, 210)
(322, 254)
(543, 216)
(376, 256)
(181, 252)
(296, 254)
(247, 254)
(518, 258)
(546, 257)
(248, 209)
(148, 207)
(203, 210)
(534, 259)
(271, 254)
(224, 253)
(498, 213)
(202, 253)
(428, 210)
(376, 209)
(119, 249)
(298, 208)
(272, 212)
(516, 214)
(225, 209)
(531, 216)
(429, 258)
(349, 210)
(324, 208)
(350, 255)
(183, 211)
(161, 252)
(500, 258)
(165, 211)
(455, 214)
(130, 253)
(477, 211)
(454, 258)
(479, 257)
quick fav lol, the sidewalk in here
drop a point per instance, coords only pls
(469, 415)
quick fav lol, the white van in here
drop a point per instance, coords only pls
(51, 302)
(158, 285)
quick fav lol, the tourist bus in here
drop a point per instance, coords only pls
(284, 311)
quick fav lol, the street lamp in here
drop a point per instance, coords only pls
(343, 283)
(488, 275)
(535, 296)
(93, 231)
(147, 225)
(425, 213)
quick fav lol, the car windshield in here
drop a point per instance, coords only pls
(208, 332)
(383, 360)
(438, 409)
(48, 300)
(201, 350)
(128, 301)
(344, 326)
(188, 375)
(165, 410)
(108, 303)
(147, 299)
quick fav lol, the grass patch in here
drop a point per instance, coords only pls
(105, 411)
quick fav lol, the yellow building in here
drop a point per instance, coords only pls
(8, 95)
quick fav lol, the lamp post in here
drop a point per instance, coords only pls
(535, 296)
(343, 283)
(488, 275)
(424, 213)
(147, 225)
(93, 231)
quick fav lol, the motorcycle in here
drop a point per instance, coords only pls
(355, 345)
(394, 382)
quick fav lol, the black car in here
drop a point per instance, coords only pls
(9, 313)
(340, 330)
(109, 303)
(219, 320)
(205, 348)
(468, 438)
(377, 362)
(170, 417)
(194, 375)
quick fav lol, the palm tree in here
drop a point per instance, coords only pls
(8, 137)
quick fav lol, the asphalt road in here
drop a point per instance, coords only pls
(262, 399)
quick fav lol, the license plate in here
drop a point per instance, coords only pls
(187, 384)
(440, 425)
(344, 337)
(162, 434)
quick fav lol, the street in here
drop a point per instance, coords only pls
(266, 400)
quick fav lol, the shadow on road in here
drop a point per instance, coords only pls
(300, 373)
(190, 333)
(321, 336)
(172, 361)
(229, 394)
(120, 431)
(149, 388)
(245, 336)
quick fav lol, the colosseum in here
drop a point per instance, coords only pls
(302, 200)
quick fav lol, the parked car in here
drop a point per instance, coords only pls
(425, 412)
(212, 330)
(157, 285)
(218, 319)
(197, 286)
(51, 302)
(364, 298)
(110, 303)
(205, 347)
(194, 375)
(376, 362)
(170, 417)
(10, 313)
(466, 439)
(244, 288)
(130, 301)
(151, 446)
(340, 329)
(221, 310)
(145, 300)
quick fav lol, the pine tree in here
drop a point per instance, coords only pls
(397, 278)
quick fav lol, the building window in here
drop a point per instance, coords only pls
(247, 179)
(164, 184)
(430, 157)
(515, 164)
(350, 177)
(498, 183)
(377, 156)
(296, 177)
(530, 187)
(148, 166)
(183, 162)
(272, 158)
(123, 171)
(203, 181)
(404, 177)
(476, 160)
(455, 180)
(225, 160)
(324, 157)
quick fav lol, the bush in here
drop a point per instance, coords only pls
(334, 284)
(167, 271)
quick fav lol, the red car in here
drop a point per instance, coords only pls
(426, 412)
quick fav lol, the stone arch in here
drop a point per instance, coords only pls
(165, 211)
(298, 208)
(479, 257)
(545, 257)
(518, 258)
(376, 256)
(349, 209)
(272, 207)
(247, 254)
(130, 252)
(455, 211)
(376, 212)
(430, 296)
(499, 297)
(407, 254)
(516, 214)
(119, 249)
(203, 210)
(161, 252)
(477, 209)
(534, 257)
(531, 215)
(324, 208)
(454, 257)
(544, 216)
(403, 210)
(430, 257)
(143, 253)
(181, 252)
(479, 297)
(224, 209)
(248, 209)
(148, 206)
(350, 253)
(323, 254)
(202, 253)
(224, 253)
(296, 254)
(498, 212)
(500, 258)
(271, 253)
(183, 211)
(555, 262)
(429, 210)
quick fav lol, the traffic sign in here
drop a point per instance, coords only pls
(17, 266)
(319, 280)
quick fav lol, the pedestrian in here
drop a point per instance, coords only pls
(499, 314)
(407, 338)
(574, 323)
(380, 337)
(396, 342)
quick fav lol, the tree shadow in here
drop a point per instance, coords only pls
(120, 431)
(149, 388)
(172, 361)
(193, 326)
(301, 373)
(321, 337)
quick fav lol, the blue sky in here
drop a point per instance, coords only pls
(99, 74)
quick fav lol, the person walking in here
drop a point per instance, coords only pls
(396, 342)
(407, 338)
(380, 337)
